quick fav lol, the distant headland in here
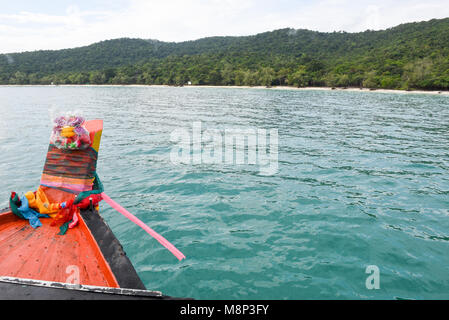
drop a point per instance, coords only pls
(412, 56)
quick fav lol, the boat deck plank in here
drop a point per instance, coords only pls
(42, 254)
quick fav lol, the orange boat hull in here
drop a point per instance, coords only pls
(89, 255)
(41, 254)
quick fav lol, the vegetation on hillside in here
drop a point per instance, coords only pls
(409, 56)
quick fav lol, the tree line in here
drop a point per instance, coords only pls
(410, 56)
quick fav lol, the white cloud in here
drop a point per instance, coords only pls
(179, 20)
(372, 20)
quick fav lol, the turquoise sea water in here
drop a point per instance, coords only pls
(363, 180)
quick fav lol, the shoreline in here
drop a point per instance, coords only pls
(442, 93)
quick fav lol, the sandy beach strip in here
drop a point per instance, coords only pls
(443, 93)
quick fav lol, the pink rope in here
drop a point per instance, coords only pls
(178, 254)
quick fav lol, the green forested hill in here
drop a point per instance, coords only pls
(409, 56)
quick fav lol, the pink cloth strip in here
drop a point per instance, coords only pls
(178, 254)
(74, 187)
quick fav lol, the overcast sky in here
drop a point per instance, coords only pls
(31, 25)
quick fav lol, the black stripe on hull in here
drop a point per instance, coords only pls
(112, 250)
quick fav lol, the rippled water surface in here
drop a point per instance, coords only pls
(363, 180)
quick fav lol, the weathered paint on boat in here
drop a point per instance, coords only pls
(38, 263)
(41, 254)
